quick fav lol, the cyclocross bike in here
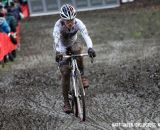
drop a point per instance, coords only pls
(77, 92)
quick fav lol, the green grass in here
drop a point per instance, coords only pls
(115, 25)
(107, 24)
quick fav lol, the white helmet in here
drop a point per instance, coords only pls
(68, 12)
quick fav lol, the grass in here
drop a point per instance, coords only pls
(115, 25)
(106, 25)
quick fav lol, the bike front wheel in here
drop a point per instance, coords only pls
(80, 99)
(74, 104)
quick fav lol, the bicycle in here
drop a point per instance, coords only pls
(77, 92)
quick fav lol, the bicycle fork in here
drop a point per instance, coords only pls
(74, 79)
(77, 95)
(75, 66)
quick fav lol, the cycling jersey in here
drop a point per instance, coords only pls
(65, 37)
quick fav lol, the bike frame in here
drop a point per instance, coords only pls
(78, 89)
(74, 75)
(75, 68)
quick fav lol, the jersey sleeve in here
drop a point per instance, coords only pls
(56, 36)
(84, 33)
(5, 26)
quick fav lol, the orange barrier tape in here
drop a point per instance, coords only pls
(6, 45)
(25, 10)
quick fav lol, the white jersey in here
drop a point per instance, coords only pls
(64, 37)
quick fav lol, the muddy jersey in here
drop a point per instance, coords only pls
(65, 37)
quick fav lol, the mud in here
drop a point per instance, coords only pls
(124, 78)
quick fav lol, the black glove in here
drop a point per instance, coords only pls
(68, 51)
(58, 57)
(91, 52)
(14, 41)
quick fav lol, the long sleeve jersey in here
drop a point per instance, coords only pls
(4, 27)
(64, 37)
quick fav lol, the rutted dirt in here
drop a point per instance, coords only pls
(124, 78)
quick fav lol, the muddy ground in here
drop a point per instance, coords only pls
(124, 78)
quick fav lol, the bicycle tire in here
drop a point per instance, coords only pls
(74, 104)
(81, 99)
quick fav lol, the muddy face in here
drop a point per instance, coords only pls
(69, 23)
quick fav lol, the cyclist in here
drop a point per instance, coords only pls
(65, 39)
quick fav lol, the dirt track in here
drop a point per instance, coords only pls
(125, 77)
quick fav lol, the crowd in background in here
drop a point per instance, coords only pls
(10, 15)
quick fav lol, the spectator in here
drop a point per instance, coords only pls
(16, 10)
(4, 27)
(11, 20)
(4, 2)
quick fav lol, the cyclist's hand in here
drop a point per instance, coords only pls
(58, 57)
(91, 52)
(13, 39)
